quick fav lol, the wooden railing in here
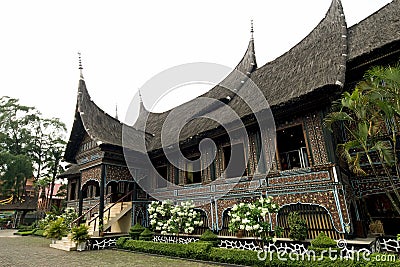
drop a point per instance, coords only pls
(89, 211)
(317, 219)
(108, 210)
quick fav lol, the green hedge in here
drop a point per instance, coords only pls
(38, 232)
(205, 251)
(23, 233)
(176, 250)
(121, 241)
(25, 228)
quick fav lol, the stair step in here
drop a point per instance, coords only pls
(61, 247)
(64, 244)
(110, 217)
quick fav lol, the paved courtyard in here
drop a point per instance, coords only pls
(35, 251)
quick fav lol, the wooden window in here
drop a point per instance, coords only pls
(176, 175)
(213, 173)
(163, 172)
(91, 191)
(72, 193)
(193, 176)
(292, 148)
(236, 157)
(260, 153)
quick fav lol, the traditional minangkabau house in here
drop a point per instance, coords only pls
(302, 174)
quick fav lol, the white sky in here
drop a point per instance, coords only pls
(125, 43)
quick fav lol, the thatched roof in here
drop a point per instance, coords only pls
(155, 121)
(317, 61)
(89, 118)
(312, 70)
(380, 29)
(71, 170)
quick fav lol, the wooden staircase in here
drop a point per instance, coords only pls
(114, 220)
(115, 217)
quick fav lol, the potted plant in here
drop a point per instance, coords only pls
(56, 229)
(80, 235)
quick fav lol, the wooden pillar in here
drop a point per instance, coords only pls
(80, 197)
(101, 204)
(134, 196)
(134, 199)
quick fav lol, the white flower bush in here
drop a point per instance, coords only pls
(254, 218)
(174, 219)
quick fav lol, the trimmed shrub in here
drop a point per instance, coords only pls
(146, 235)
(235, 256)
(169, 249)
(136, 230)
(209, 236)
(297, 227)
(199, 250)
(121, 241)
(38, 232)
(322, 244)
(323, 241)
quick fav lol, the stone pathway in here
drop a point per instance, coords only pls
(35, 251)
(8, 233)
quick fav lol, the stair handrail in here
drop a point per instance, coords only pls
(109, 208)
(75, 222)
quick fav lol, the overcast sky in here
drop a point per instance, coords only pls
(125, 43)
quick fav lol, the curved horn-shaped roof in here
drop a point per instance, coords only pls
(318, 61)
(155, 121)
(89, 118)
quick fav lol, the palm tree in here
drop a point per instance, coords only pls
(384, 84)
(362, 121)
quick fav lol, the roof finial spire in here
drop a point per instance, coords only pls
(116, 111)
(140, 97)
(252, 29)
(80, 65)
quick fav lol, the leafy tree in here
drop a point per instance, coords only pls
(47, 138)
(14, 170)
(54, 155)
(30, 145)
(15, 124)
(363, 114)
(383, 84)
